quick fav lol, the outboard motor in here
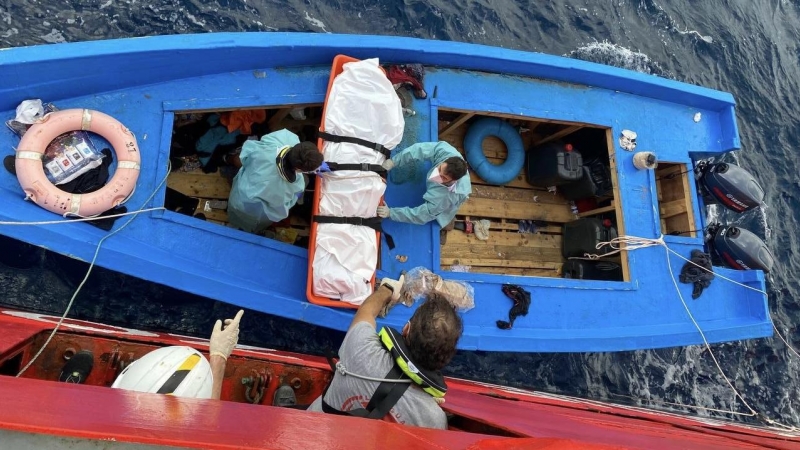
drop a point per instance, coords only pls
(738, 248)
(729, 185)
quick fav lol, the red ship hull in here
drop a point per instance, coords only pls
(36, 407)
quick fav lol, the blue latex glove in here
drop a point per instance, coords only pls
(323, 168)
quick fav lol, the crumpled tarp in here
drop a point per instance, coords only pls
(698, 272)
(362, 103)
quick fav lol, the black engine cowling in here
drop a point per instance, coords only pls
(730, 186)
(740, 249)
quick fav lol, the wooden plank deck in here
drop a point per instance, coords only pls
(208, 187)
(507, 251)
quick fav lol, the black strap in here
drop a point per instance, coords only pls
(382, 401)
(372, 222)
(354, 140)
(387, 395)
(364, 167)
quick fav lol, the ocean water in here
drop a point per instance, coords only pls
(748, 48)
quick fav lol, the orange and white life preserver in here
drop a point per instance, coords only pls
(38, 188)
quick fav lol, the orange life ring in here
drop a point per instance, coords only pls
(41, 191)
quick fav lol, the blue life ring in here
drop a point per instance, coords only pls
(498, 174)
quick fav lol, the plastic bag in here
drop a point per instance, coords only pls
(419, 281)
(69, 155)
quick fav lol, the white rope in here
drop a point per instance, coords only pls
(777, 332)
(715, 274)
(75, 214)
(343, 370)
(634, 243)
(705, 341)
(83, 219)
(91, 264)
(683, 405)
(629, 242)
(784, 340)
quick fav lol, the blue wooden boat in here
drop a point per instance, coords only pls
(150, 83)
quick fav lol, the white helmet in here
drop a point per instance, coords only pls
(178, 370)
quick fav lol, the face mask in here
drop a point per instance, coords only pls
(436, 177)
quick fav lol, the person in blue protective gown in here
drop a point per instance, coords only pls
(447, 187)
(270, 179)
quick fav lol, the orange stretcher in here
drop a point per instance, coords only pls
(338, 62)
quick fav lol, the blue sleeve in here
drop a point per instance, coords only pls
(280, 139)
(285, 196)
(423, 151)
(436, 201)
(419, 215)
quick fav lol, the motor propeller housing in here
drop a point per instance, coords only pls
(739, 249)
(729, 185)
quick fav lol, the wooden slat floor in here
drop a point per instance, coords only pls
(507, 251)
(213, 186)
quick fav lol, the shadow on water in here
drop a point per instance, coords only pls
(19, 255)
(36, 279)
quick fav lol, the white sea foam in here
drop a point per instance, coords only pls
(708, 39)
(10, 32)
(315, 22)
(54, 37)
(616, 55)
(195, 20)
(713, 214)
(673, 26)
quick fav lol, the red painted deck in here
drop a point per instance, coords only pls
(511, 418)
(110, 414)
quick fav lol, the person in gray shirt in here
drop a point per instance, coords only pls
(425, 346)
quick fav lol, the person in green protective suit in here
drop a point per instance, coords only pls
(270, 180)
(447, 187)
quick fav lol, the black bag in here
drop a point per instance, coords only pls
(595, 182)
(553, 164)
(581, 236)
(580, 269)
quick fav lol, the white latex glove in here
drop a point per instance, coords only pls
(222, 341)
(396, 286)
(383, 211)
(388, 164)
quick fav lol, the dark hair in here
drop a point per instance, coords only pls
(456, 167)
(435, 329)
(305, 156)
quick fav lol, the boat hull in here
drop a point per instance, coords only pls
(145, 82)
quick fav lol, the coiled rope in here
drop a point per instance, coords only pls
(626, 243)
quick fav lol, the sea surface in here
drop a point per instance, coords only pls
(746, 47)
